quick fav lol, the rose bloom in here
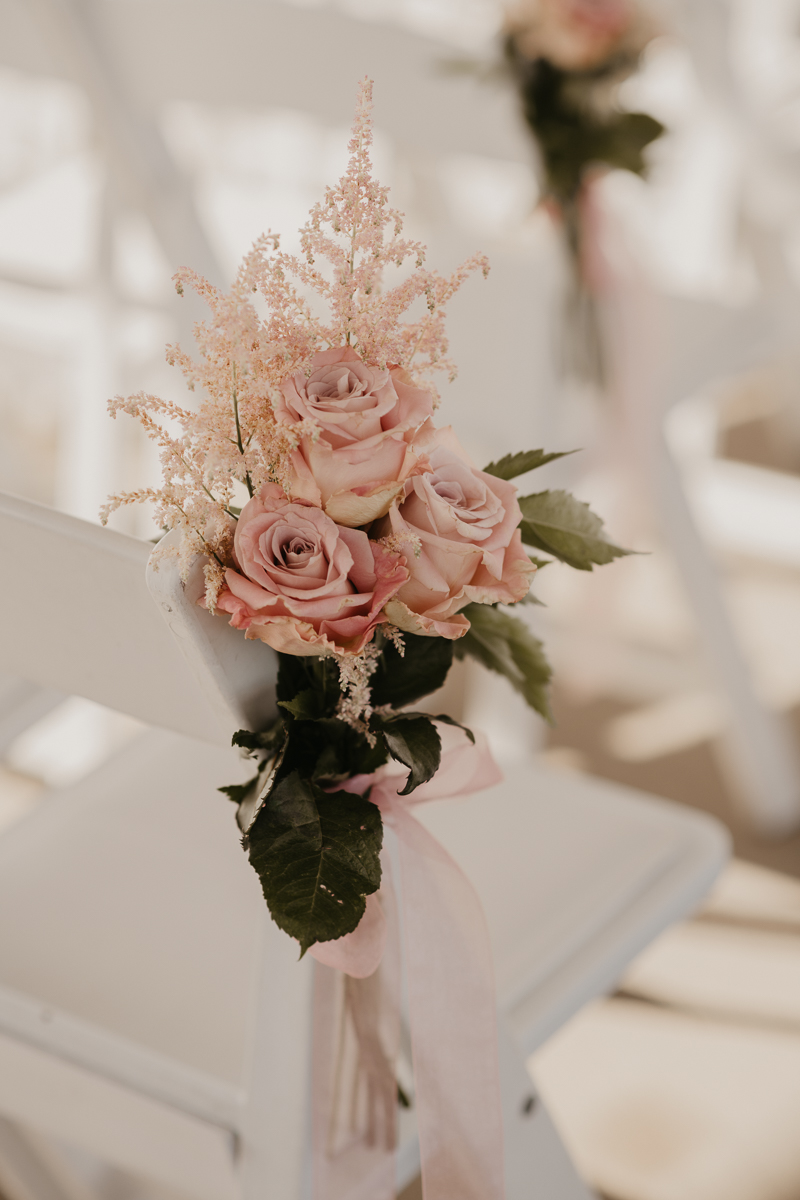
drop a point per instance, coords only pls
(305, 585)
(373, 424)
(575, 35)
(465, 525)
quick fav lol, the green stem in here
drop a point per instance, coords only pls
(235, 396)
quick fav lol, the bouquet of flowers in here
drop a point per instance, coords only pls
(568, 58)
(344, 529)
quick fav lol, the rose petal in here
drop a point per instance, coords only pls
(354, 508)
(400, 614)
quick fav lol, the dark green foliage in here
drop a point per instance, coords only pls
(314, 850)
(264, 743)
(573, 131)
(298, 674)
(505, 644)
(239, 792)
(567, 528)
(413, 740)
(422, 669)
(317, 856)
(444, 719)
(307, 705)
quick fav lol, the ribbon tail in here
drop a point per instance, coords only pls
(453, 1020)
(356, 1036)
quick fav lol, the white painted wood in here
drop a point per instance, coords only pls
(700, 345)
(274, 1128)
(237, 677)
(21, 704)
(418, 105)
(33, 1170)
(87, 625)
(537, 1165)
(761, 745)
(585, 877)
(114, 1123)
(119, 1059)
(135, 1018)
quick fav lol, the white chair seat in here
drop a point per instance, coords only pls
(149, 1010)
(568, 870)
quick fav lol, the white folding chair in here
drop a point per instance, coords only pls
(150, 1012)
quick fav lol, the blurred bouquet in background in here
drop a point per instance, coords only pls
(568, 58)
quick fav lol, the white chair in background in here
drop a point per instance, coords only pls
(150, 1012)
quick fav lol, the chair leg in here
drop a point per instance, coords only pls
(274, 1127)
(31, 1170)
(769, 770)
(538, 1166)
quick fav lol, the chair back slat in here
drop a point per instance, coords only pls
(77, 617)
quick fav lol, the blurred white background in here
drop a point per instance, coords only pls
(137, 136)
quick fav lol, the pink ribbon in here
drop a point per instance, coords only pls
(453, 1019)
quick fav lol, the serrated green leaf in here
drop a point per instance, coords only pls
(561, 525)
(519, 464)
(505, 644)
(308, 705)
(263, 744)
(530, 598)
(448, 720)
(238, 792)
(317, 855)
(422, 669)
(413, 740)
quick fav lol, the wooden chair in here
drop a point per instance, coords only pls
(150, 1012)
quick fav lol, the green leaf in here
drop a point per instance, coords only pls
(413, 740)
(238, 792)
(519, 464)
(317, 856)
(505, 644)
(298, 674)
(530, 598)
(328, 751)
(264, 744)
(561, 525)
(448, 720)
(308, 705)
(423, 668)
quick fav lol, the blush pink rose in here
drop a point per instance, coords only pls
(573, 34)
(372, 423)
(465, 524)
(304, 584)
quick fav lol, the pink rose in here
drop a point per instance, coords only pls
(573, 34)
(372, 425)
(305, 585)
(465, 524)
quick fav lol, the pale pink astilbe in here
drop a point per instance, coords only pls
(234, 437)
(365, 239)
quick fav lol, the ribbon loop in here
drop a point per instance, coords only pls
(453, 1019)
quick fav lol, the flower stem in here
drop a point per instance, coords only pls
(235, 396)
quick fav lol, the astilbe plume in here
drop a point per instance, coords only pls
(234, 435)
